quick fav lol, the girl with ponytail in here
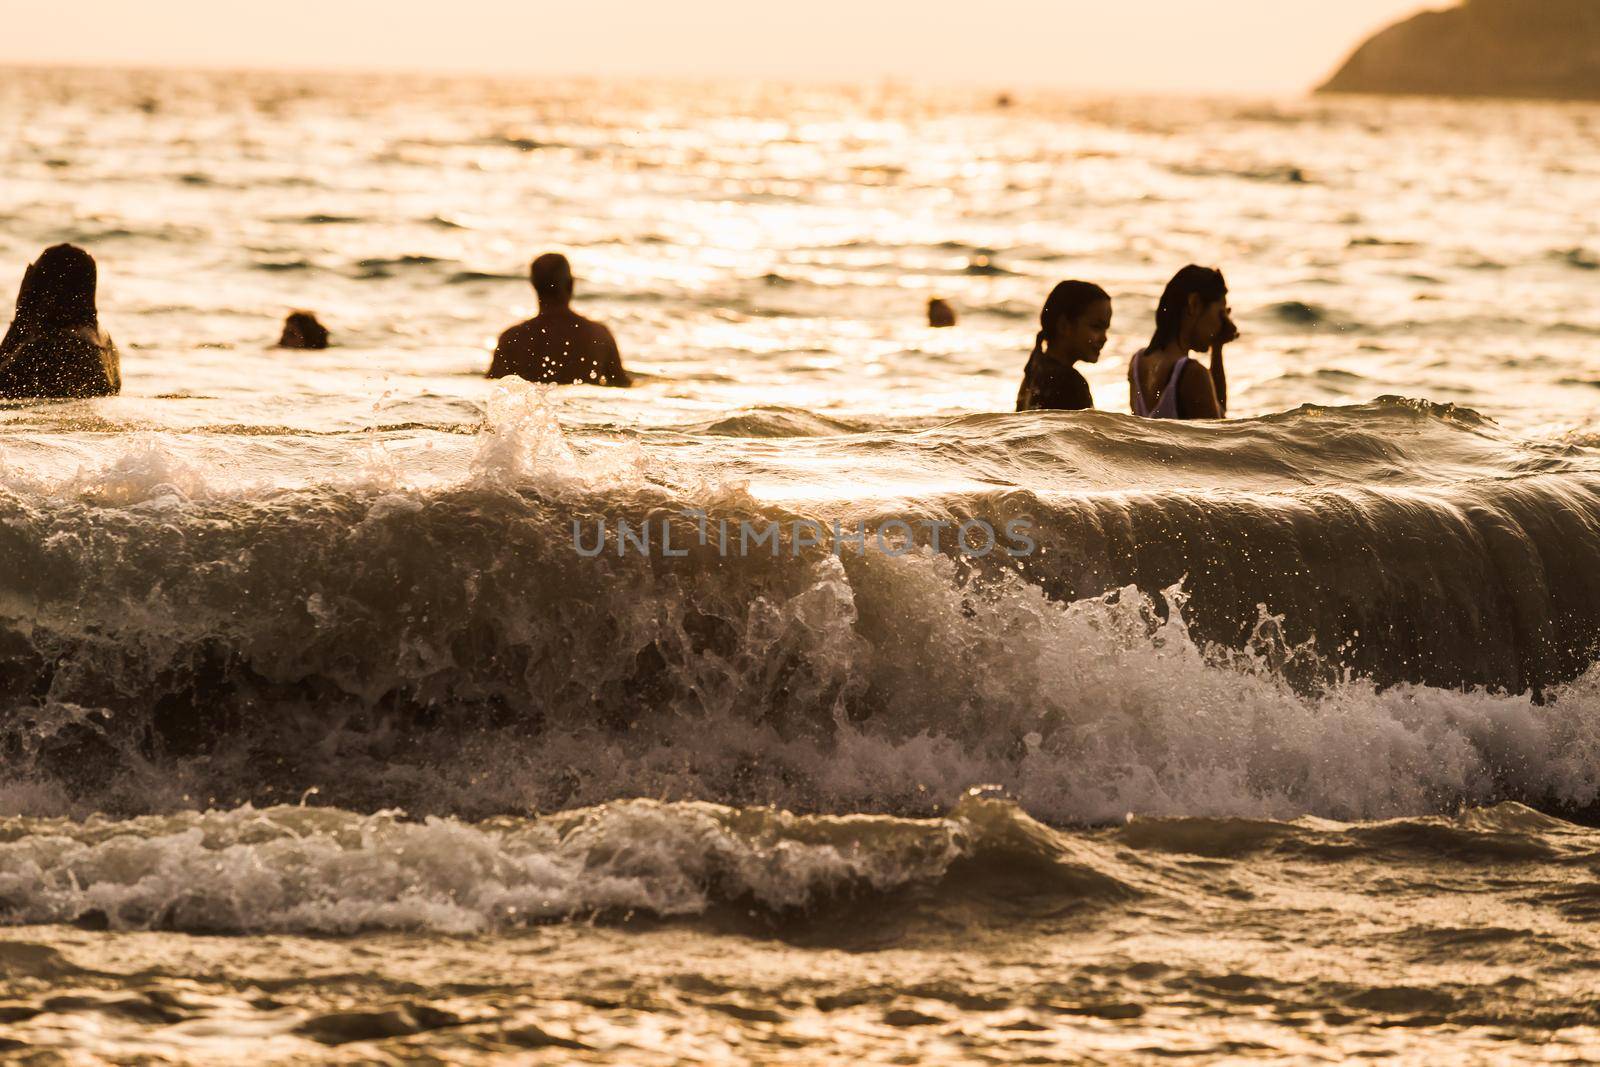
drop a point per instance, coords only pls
(1072, 329)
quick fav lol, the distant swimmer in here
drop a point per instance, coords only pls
(302, 330)
(1072, 329)
(558, 345)
(1193, 316)
(940, 314)
(55, 347)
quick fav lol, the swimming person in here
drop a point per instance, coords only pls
(302, 330)
(1193, 316)
(941, 316)
(558, 345)
(1072, 329)
(55, 346)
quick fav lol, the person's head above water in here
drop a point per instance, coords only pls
(551, 275)
(1074, 323)
(58, 290)
(302, 330)
(1192, 310)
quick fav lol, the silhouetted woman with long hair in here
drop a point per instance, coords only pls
(1072, 329)
(55, 346)
(1163, 381)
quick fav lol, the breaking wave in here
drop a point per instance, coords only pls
(1415, 636)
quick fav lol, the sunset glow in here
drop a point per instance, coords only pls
(1139, 45)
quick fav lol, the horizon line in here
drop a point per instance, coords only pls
(1014, 89)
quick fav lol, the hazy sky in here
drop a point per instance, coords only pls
(1189, 45)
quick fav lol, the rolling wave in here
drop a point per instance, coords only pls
(1190, 647)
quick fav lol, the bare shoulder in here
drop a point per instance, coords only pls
(1197, 392)
(517, 332)
(596, 332)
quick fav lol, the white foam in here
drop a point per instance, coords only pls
(865, 684)
(323, 870)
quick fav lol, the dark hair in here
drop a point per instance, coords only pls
(1206, 283)
(302, 330)
(1066, 301)
(58, 290)
(551, 275)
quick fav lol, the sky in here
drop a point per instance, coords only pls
(1224, 46)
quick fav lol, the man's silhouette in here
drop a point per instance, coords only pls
(558, 345)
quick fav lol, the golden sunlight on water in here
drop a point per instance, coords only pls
(326, 739)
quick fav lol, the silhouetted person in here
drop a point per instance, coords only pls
(1193, 316)
(55, 347)
(940, 314)
(1072, 329)
(302, 330)
(558, 345)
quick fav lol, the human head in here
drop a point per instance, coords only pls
(1192, 309)
(59, 289)
(302, 330)
(940, 314)
(552, 278)
(1074, 323)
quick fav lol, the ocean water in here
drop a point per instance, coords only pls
(325, 736)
